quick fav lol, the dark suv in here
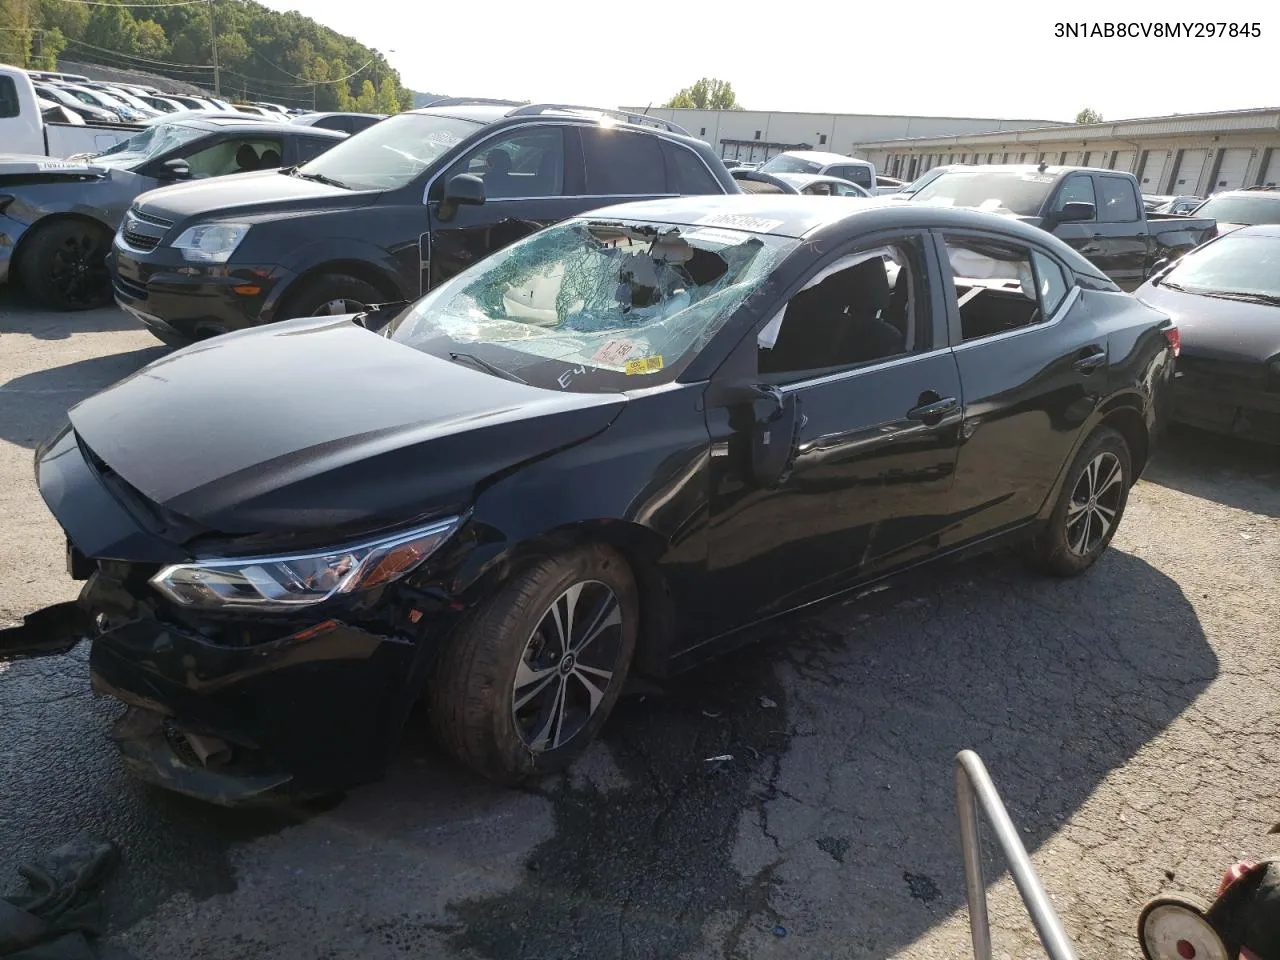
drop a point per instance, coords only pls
(389, 213)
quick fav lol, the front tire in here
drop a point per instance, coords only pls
(526, 683)
(331, 294)
(64, 265)
(1089, 509)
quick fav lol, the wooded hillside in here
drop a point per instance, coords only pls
(261, 54)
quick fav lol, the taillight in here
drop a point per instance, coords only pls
(1175, 340)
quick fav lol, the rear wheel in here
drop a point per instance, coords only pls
(332, 294)
(525, 685)
(64, 265)
(1089, 509)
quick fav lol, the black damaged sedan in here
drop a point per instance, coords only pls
(609, 450)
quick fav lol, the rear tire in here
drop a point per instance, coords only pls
(64, 265)
(1089, 509)
(331, 294)
(505, 700)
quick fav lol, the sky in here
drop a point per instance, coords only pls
(963, 59)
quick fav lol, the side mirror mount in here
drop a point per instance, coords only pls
(775, 424)
(465, 188)
(177, 168)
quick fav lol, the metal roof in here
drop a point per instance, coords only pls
(1221, 121)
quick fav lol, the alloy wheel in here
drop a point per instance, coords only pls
(79, 269)
(1095, 504)
(567, 665)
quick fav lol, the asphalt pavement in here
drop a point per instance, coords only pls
(1129, 720)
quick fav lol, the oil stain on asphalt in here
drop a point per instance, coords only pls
(638, 870)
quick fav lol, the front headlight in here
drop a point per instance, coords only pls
(289, 582)
(211, 242)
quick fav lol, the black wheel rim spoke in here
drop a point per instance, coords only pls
(1094, 507)
(567, 666)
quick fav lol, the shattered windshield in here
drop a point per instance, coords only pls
(590, 305)
(391, 153)
(785, 164)
(1005, 191)
(143, 147)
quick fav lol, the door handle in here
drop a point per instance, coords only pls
(933, 411)
(1091, 361)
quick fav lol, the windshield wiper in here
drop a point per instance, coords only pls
(1246, 297)
(321, 178)
(486, 365)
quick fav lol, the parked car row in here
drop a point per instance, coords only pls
(614, 414)
(65, 115)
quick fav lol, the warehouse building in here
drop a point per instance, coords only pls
(1193, 154)
(758, 135)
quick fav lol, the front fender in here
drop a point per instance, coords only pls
(339, 254)
(642, 486)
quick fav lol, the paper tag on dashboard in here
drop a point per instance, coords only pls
(613, 353)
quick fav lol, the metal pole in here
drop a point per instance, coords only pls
(975, 885)
(973, 782)
(213, 43)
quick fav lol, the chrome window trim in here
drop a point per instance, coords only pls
(849, 372)
(587, 124)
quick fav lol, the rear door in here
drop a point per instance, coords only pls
(1122, 228)
(1033, 365)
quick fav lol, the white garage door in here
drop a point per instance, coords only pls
(1231, 171)
(1153, 176)
(1190, 171)
(1272, 173)
(1124, 160)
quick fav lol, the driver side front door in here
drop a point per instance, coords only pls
(529, 182)
(866, 393)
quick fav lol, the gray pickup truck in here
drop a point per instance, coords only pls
(1098, 212)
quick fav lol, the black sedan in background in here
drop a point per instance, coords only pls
(1225, 298)
(613, 447)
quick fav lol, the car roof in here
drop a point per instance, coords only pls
(1256, 230)
(823, 157)
(338, 113)
(797, 217)
(1049, 170)
(212, 123)
(804, 179)
(487, 113)
(1272, 194)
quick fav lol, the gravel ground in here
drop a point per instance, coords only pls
(1128, 719)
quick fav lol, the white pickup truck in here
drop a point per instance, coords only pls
(23, 130)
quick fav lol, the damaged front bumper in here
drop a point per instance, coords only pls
(310, 713)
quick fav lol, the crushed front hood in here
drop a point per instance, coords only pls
(319, 424)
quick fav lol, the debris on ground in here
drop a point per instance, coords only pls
(59, 916)
(717, 763)
(767, 704)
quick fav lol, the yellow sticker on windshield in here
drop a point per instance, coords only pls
(643, 365)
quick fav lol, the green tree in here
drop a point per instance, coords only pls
(388, 97)
(70, 19)
(341, 87)
(707, 94)
(1088, 115)
(112, 27)
(46, 47)
(18, 23)
(150, 40)
(367, 102)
